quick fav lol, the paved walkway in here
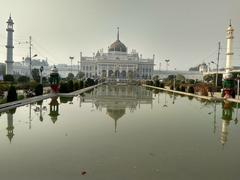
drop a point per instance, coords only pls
(15, 104)
(217, 96)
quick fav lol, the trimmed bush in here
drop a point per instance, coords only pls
(89, 82)
(23, 79)
(12, 94)
(33, 84)
(182, 88)
(161, 85)
(191, 90)
(81, 84)
(76, 86)
(39, 90)
(70, 86)
(8, 78)
(63, 87)
(20, 97)
(157, 83)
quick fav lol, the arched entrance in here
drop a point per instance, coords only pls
(117, 74)
(110, 74)
(104, 73)
(130, 74)
(123, 75)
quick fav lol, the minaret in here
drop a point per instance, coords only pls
(229, 48)
(118, 33)
(9, 46)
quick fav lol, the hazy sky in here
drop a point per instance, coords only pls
(184, 31)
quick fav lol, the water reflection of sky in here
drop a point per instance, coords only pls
(143, 131)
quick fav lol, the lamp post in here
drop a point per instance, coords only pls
(216, 73)
(30, 64)
(41, 70)
(71, 59)
(167, 64)
(159, 70)
(174, 82)
(238, 79)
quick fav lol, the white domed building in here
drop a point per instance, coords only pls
(117, 64)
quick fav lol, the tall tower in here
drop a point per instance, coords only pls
(9, 46)
(228, 83)
(229, 49)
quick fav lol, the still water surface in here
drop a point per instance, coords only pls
(121, 132)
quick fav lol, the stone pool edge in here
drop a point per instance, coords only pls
(194, 95)
(23, 102)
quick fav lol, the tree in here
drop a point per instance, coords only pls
(89, 82)
(208, 78)
(170, 77)
(70, 76)
(80, 75)
(12, 94)
(8, 78)
(180, 77)
(36, 75)
(156, 77)
(23, 79)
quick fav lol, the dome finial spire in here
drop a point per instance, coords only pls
(118, 34)
(230, 22)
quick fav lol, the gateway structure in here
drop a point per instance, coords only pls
(117, 64)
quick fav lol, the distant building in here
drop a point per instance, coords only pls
(196, 75)
(201, 68)
(23, 67)
(117, 64)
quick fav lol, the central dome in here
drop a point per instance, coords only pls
(117, 45)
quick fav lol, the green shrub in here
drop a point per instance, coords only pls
(8, 78)
(149, 82)
(3, 101)
(89, 82)
(23, 79)
(63, 87)
(39, 90)
(12, 94)
(76, 86)
(4, 87)
(20, 97)
(191, 89)
(70, 86)
(161, 85)
(81, 84)
(33, 84)
(157, 83)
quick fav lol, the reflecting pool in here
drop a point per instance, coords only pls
(121, 132)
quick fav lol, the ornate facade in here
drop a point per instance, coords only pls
(117, 64)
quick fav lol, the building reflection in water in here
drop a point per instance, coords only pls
(227, 112)
(10, 126)
(54, 109)
(117, 99)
